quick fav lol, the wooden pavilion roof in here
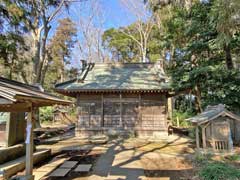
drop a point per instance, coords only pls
(212, 113)
(14, 96)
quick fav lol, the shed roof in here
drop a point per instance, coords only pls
(13, 92)
(211, 113)
(117, 77)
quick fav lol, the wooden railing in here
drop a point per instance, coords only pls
(220, 145)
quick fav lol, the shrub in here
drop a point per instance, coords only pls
(181, 116)
(46, 114)
(202, 159)
(219, 171)
(234, 157)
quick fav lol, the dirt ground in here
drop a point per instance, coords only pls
(133, 159)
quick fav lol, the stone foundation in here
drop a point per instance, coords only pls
(139, 132)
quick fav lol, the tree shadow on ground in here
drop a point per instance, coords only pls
(107, 168)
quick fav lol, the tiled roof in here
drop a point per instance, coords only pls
(117, 76)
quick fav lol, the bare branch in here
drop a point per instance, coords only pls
(56, 11)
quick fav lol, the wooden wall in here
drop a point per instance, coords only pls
(234, 128)
(128, 111)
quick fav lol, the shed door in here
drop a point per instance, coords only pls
(221, 131)
(153, 115)
(237, 132)
(130, 113)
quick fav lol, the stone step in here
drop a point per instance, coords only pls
(17, 165)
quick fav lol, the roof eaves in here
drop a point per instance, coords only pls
(43, 99)
(111, 90)
(58, 85)
(10, 81)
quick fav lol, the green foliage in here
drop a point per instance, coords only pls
(234, 157)
(219, 171)
(122, 47)
(202, 159)
(59, 52)
(181, 116)
(201, 64)
(46, 114)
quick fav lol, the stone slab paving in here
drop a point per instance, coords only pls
(60, 172)
(69, 164)
(83, 168)
(48, 168)
(154, 178)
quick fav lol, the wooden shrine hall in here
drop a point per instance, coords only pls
(121, 97)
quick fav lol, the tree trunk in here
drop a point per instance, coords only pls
(44, 71)
(198, 99)
(228, 57)
(36, 58)
(42, 57)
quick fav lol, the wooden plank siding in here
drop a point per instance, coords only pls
(126, 111)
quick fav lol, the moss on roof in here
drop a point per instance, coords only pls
(118, 76)
(211, 113)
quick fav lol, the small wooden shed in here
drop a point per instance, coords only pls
(219, 128)
(59, 114)
(17, 97)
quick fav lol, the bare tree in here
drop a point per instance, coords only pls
(143, 25)
(39, 26)
(90, 27)
(37, 20)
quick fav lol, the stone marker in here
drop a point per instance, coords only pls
(68, 164)
(83, 168)
(60, 172)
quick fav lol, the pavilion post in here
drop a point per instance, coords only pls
(197, 137)
(29, 143)
(204, 137)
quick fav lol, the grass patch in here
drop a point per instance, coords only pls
(203, 159)
(232, 158)
(219, 171)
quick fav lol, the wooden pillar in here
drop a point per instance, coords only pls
(170, 107)
(197, 137)
(121, 122)
(102, 111)
(204, 137)
(29, 143)
(78, 122)
(139, 110)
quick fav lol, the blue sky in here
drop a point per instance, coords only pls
(113, 13)
(116, 14)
